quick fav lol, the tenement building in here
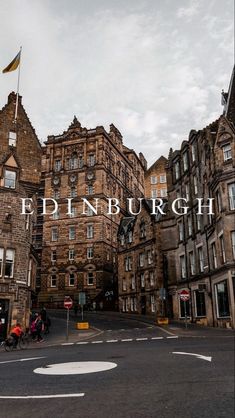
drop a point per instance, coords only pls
(203, 246)
(155, 179)
(79, 251)
(140, 264)
(20, 165)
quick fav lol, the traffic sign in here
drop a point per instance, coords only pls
(184, 295)
(68, 303)
(82, 298)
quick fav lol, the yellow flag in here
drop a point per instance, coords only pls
(13, 64)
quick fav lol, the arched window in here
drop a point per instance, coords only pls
(73, 161)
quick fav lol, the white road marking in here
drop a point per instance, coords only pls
(141, 339)
(22, 359)
(123, 329)
(173, 336)
(136, 328)
(109, 330)
(82, 342)
(200, 356)
(67, 344)
(111, 341)
(127, 339)
(67, 395)
(97, 342)
(75, 367)
(157, 338)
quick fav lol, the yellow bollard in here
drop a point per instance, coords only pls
(82, 325)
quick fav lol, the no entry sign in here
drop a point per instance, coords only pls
(184, 295)
(68, 303)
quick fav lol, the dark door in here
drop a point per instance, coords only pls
(4, 309)
(143, 305)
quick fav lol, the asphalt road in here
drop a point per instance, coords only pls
(148, 380)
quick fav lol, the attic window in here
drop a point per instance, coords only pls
(227, 152)
(10, 179)
(12, 139)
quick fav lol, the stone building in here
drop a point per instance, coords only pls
(140, 264)
(79, 251)
(201, 254)
(155, 179)
(20, 165)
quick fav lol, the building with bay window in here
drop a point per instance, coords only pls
(20, 165)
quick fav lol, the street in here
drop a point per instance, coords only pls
(143, 373)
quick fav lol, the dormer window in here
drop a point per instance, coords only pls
(177, 170)
(227, 152)
(185, 160)
(12, 139)
(10, 179)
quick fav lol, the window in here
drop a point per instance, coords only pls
(56, 194)
(218, 201)
(54, 234)
(56, 215)
(199, 221)
(231, 193)
(133, 282)
(1, 261)
(73, 192)
(150, 257)
(184, 309)
(183, 266)
(185, 160)
(71, 254)
(80, 161)
(152, 300)
(72, 232)
(153, 179)
(128, 263)
(142, 281)
(200, 304)
(90, 252)
(10, 179)
(142, 230)
(132, 304)
(129, 237)
(53, 280)
(53, 255)
(193, 150)
(222, 249)
(201, 259)
(151, 277)
(181, 231)
(190, 226)
(91, 160)
(124, 285)
(195, 184)
(71, 279)
(57, 165)
(163, 178)
(90, 190)
(222, 301)
(89, 211)
(177, 170)
(12, 139)
(227, 151)
(122, 239)
(73, 212)
(29, 276)
(73, 162)
(90, 278)
(187, 192)
(214, 257)
(163, 192)
(192, 262)
(233, 243)
(90, 232)
(141, 260)
(9, 265)
(154, 193)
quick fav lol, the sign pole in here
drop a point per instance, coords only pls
(67, 329)
(185, 312)
(82, 312)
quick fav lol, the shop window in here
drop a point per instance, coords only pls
(222, 300)
(200, 304)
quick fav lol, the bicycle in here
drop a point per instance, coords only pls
(9, 343)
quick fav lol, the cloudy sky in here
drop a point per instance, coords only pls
(154, 68)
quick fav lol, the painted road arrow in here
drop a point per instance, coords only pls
(193, 354)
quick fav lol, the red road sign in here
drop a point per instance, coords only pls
(184, 295)
(68, 303)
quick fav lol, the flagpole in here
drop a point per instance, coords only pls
(18, 86)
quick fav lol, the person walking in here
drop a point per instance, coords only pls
(39, 328)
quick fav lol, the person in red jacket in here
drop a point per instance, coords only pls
(16, 333)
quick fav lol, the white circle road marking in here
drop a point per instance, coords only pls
(82, 367)
(66, 395)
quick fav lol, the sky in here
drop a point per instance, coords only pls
(153, 68)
